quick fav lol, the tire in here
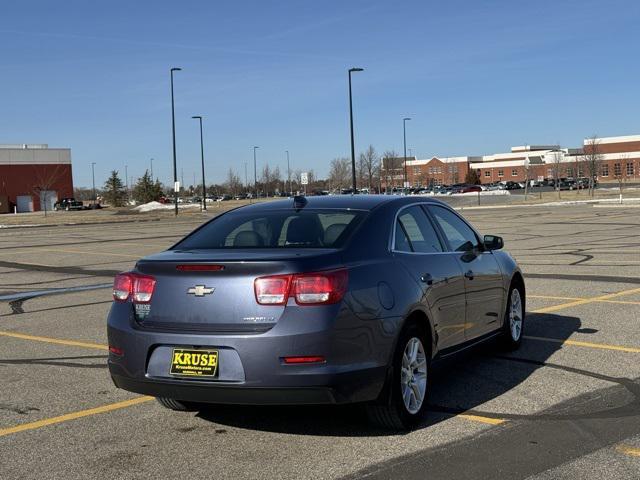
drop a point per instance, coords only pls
(392, 411)
(178, 405)
(514, 316)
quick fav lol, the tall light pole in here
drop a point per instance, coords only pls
(152, 169)
(173, 130)
(93, 179)
(404, 136)
(126, 181)
(353, 149)
(255, 173)
(288, 172)
(204, 202)
(246, 181)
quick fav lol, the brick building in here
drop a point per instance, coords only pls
(616, 158)
(31, 175)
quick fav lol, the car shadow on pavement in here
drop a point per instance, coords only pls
(462, 383)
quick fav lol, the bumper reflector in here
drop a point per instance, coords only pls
(116, 350)
(307, 359)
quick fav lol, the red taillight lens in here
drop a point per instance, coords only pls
(143, 286)
(321, 288)
(122, 287)
(135, 285)
(272, 290)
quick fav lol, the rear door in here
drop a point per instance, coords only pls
(422, 252)
(482, 275)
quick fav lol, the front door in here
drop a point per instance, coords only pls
(482, 276)
(421, 251)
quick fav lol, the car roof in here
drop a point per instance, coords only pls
(356, 202)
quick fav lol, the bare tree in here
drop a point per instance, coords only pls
(391, 164)
(368, 163)
(233, 183)
(592, 159)
(340, 173)
(557, 168)
(45, 179)
(619, 172)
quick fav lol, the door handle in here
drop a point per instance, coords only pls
(427, 278)
(469, 274)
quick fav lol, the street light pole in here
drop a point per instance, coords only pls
(173, 130)
(404, 136)
(93, 179)
(353, 150)
(152, 169)
(288, 172)
(126, 181)
(204, 198)
(255, 173)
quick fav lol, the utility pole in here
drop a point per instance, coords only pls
(93, 178)
(404, 136)
(173, 130)
(255, 173)
(353, 150)
(288, 172)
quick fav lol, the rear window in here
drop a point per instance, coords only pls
(275, 229)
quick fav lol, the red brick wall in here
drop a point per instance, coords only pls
(25, 179)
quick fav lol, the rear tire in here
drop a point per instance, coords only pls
(407, 388)
(178, 405)
(513, 325)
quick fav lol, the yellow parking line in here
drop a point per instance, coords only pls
(58, 341)
(627, 450)
(584, 301)
(577, 343)
(73, 416)
(480, 419)
(550, 297)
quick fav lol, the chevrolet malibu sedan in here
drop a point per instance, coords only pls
(325, 300)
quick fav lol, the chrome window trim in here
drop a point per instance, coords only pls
(392, 236)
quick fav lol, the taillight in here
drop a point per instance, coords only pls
(135, 285)
(122, 287)
(321, 288)
(273, 290)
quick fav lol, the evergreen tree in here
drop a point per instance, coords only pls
(114, 192)
(146, 190)
(472, 177)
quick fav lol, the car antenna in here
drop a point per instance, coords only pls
(299, 202)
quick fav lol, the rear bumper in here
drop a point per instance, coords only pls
(225, 394)
(251, 371)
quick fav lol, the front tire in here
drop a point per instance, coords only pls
(178, 405)
(408, 386)
(513, 325)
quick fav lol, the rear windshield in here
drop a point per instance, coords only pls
(275, 229)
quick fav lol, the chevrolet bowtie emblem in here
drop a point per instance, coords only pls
(200, 290)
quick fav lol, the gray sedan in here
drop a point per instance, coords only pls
(321, 300)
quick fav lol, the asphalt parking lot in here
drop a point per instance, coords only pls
(566, 405)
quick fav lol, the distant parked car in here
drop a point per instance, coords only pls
(68, 204)
(469, 189)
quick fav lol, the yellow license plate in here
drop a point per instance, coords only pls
(194, 363)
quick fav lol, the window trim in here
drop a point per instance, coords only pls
(392, 237)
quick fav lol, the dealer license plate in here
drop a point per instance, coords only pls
(194, 363)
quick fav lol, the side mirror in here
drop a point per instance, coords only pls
(493, 242)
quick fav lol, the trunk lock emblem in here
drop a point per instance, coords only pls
(200, 290)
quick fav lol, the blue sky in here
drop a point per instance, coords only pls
(476, 77)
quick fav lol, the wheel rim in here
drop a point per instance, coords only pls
(413, 378)
(515, 315)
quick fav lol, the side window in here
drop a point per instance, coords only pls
(414, 232)
(460, 236)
